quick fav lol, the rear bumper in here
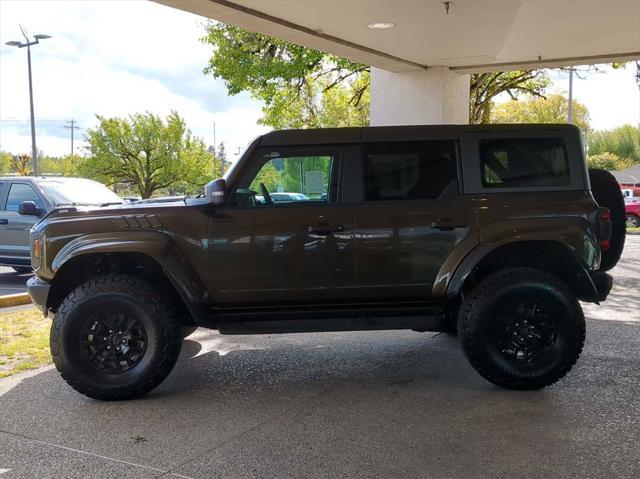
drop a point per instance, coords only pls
(602, 282)
(39, 292)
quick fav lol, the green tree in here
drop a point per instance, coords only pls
(552, 109)
(486, 86)
(5, 162)
(21, 165)
(268, 175)
(64, 166)
(148, 153)
(623, 142)
(609, 161)
(301, 87)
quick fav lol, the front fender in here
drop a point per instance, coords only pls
(156, 245)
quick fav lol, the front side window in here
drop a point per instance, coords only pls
(20, 192)
(409, 170)
(524, 162)
(283, 178)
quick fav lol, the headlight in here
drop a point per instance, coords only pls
(35, 248)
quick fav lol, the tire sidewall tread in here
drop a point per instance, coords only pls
(167, 337)
(470, 318)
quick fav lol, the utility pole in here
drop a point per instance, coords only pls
(28, 43)
(72, 127)
(570, 110)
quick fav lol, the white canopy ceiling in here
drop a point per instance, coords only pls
(476, 35)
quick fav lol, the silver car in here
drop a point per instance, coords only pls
(25, 199)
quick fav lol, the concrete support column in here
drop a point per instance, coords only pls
(433, 96)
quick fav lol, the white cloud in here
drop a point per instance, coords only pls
(611, 95)
(112, 59)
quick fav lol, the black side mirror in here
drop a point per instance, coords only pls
(29, 208)
(215, 191)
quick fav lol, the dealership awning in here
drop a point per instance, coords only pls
(464, 36)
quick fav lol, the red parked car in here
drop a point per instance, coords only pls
(632, 210)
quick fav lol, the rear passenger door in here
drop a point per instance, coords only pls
(410, 218)
(14, 227)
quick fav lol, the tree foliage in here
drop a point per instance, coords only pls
(623, 142)
(486, 86)
(21, 165)
(552, 109)
(147, 152)
(5, 162)
(64, 166)
(300, 87)
(305, 88)
(609, 161)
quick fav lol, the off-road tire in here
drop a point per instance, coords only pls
(120, 293)
(606, 191)
(478, 333)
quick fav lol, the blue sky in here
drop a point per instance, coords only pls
(118, 57)
(112, 58)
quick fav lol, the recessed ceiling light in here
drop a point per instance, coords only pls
(381, 25)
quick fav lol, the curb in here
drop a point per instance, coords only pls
(14, 300)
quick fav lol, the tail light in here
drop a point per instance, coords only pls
(604, 229)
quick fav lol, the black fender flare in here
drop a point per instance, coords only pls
(575, 274)
(155, 245)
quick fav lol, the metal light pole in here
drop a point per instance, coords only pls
(27, 43)
(570, 110)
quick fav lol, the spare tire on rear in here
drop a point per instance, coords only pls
(606, 191)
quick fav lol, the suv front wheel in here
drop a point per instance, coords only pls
(115, 337)
(522, 328)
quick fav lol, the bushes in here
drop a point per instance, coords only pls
(623, 142)
(609, 161)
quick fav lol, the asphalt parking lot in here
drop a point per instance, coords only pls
(12, 282)
(375, 404)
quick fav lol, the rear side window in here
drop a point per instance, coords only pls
(20, 192)
(524, 162)
(409, 170)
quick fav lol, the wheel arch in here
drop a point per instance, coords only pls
(151, 255)
(551, 256)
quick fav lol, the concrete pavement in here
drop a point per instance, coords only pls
(373, 404)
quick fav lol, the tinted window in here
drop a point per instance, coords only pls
(20, 192)
(410, 170)
(522, 162)
(288, 178)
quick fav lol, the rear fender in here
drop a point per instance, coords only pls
(561, 246)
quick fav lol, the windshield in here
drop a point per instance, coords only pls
(78, 191)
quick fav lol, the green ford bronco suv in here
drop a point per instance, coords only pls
(492, 233)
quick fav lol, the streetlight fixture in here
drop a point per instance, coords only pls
(28, 43)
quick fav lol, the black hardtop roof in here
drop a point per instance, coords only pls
(324, 136)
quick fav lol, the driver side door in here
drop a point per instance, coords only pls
(299, 250)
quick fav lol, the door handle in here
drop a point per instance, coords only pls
(325, 229)
(447, 224)
(4, 221)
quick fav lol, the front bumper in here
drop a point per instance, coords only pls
(39, 292)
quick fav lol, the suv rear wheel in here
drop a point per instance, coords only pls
(522, 328)
(115, 337)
